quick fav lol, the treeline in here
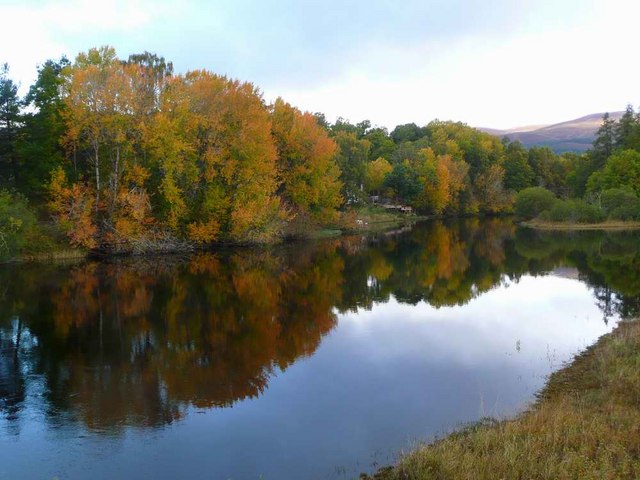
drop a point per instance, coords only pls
(128, 155)
(605, 181)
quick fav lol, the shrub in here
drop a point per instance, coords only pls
(531, 202)
(620, 204)
(573, 211)
(626, 212)
(17, 223)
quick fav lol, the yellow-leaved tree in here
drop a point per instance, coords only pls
(307, 169)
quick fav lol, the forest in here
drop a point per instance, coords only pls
(128, 156)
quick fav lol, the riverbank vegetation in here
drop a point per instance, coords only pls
(609, 192)
(125, 155)
(586, 424)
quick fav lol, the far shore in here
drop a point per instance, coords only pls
(609, 225)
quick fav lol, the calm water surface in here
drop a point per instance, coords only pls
(317, 360)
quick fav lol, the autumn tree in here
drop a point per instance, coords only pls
(236, 159)
(308, 173)
(98, 98)
(376, 173)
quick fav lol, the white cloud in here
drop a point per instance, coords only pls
(549, 63)
(36, 33)
(533, 78)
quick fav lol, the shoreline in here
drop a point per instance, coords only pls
(584, 424)
(610, 225)
(372, 221)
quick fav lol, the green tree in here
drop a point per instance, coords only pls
(9, 126)
(532, 201)
(16, 222)
(408, 132)
(622, 169)
(604, 142)
(381, 144)
(39, 147)
(352, 159)
(625, 130)
(518, 174)
(404, 181)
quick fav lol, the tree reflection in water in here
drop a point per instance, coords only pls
(136, 342)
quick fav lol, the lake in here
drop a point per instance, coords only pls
(318, 359)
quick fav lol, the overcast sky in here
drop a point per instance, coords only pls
(493, 63)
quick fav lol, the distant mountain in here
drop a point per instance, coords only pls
(572, 136)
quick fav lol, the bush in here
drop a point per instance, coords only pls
(573, 211)
(620, 204)
(626, 212)
(17, 223)
(531, 202)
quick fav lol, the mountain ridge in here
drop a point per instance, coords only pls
(575, 135)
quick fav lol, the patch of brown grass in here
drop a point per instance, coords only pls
(585, 425)
(608, 225)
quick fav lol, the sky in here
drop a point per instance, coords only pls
(489, 63)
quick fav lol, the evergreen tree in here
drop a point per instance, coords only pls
(39, 148)
(9, 125)
(625, 129)
(604, 142)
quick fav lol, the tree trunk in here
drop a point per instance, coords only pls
(97, 167)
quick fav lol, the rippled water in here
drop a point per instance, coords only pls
(311, 360)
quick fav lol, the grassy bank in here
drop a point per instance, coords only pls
(608, 225)
(585, 425)
(369, 218)
(50, 245)
(375, 218)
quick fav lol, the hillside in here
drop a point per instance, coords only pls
(571, 136)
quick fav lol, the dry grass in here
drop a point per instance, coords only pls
(53, 255)
(608, 225)
(586, 425)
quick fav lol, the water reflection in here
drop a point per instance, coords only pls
(145, 342)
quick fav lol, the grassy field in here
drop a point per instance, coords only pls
(585, 425)
(608, 225)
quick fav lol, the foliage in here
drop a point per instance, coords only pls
(573, 211)
(376, 173)
(532, 201)
(518, 174)
(38, 147)
(72, 208)
(9, 124)
(620, 204)
(138, 152)
(17, 221)
(352, 156)
(622, 169)
(403, 181)
(309, 175)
